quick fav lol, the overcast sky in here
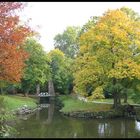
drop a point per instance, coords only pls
(53, 17)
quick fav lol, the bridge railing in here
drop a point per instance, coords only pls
(44, 94)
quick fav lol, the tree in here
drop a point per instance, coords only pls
(130, 13)
(67, 41)
(12, 35)
(37, 70)
(60, 71)
(134, 91)
(110, 51)
(91, 23)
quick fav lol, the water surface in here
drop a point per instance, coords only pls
(49, 123)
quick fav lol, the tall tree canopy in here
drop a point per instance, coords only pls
(91, 22)
(67, 41)
(37, 70)
(131, 13)
(109, 55)
(12, 35)
(60, 71)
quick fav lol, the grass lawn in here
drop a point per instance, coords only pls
(71, 104)
(130, 101)
(13, 102)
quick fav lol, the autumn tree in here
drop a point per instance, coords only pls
(133, 90)
(109, 55)
(91, 22)
(131, 13)
(12, 35)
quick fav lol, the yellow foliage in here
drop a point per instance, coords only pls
(97, 94)
(56, 52)
(107, 51)
(125, 69)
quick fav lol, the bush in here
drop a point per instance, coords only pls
(3, 116)
(97, 94)
(5, 130)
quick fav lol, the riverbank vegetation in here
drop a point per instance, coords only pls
(12, 102)
(8, 107)
(71, 104)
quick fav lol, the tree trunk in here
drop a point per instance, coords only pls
(26, 93)
(119, 99)
(125, 98)
(14, 91)
(1, 90)
(51, 88)
(115, 100)
(114, 92)
(37, 89)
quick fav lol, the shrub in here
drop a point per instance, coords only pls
(97, 94)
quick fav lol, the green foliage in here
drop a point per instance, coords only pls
(37, 66)
(131, 14)
(3, 85)
(5, 130)
(134, 91)
(1, 101)
(91, 23)
(60, 71)
(67, 41)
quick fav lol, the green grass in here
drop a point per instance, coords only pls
(71, 104)
(130, 101)
(12, 102)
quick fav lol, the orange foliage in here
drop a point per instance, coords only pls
(12, 35)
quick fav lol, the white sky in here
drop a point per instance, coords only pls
(53, 17)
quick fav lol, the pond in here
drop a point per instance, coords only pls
(50, 123)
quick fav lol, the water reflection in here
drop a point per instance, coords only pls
(102, 128)
(50, 110)
(138, 126)
(49, 123)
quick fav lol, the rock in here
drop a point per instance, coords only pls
(20, 112)
(23, 108)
